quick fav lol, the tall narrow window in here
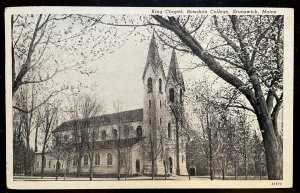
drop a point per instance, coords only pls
(58, 165)
(181, 96)
(49, 165)
(75, 162)
(103, 135)
(171, 95)
(126, 131)
(139, 132)
(160, 121)
(149, 121)
(115, 133)
(109, 159)
(66, 138)
(149, 85)
(86, 160)
(169, 131)
(97, 160)
(137, 166)
(149, 104)
(160, 85)
(37, 164)
(160, 103)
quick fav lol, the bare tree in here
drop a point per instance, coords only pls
(49, 116)
(83, 129)
(90, 108)
(118, 108)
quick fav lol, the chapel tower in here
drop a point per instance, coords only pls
(175, 116)
(163, 116)
(154, 104)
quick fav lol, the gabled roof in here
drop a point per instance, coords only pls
(107, 119)
(110, 144)
(153, 59)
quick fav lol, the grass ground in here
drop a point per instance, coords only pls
(37, 178)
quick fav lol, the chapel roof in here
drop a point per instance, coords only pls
(114, 143)
(107, 119)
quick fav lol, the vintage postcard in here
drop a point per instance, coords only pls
(124, 97)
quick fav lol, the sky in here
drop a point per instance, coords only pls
(119, 74)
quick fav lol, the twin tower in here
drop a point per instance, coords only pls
(163, 115)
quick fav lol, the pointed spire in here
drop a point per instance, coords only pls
(153, 58)
(174, 68)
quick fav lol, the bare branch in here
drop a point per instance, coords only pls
(242, 107)
(39, 105)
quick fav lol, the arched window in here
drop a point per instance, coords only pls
(115, 133)
(97, 160)
(103, 135)
(169, 131)
(58, 165)
(139, 132)
(170, 165)
(109, 159)
(66, 138)
(149, 85)
(160, 85)
(137, 166)
(126, 131)
(85, 160)
(171, 95)
(180, 97)
(75, 162)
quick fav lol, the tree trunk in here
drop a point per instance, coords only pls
(119, 164)
(35, 139)
(152, 168)
(165, 169)
(177, 148)
(78, 173)
(245, 151)
(254, 169)
(273, 149)
(43, 160)
(235, 172)
(260, 170)
(91, 170)
(210, 150)
(56, 169)
(223, 171)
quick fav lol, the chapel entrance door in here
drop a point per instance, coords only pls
(170, 165)
(137, 166)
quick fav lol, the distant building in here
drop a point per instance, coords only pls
(152, 133)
